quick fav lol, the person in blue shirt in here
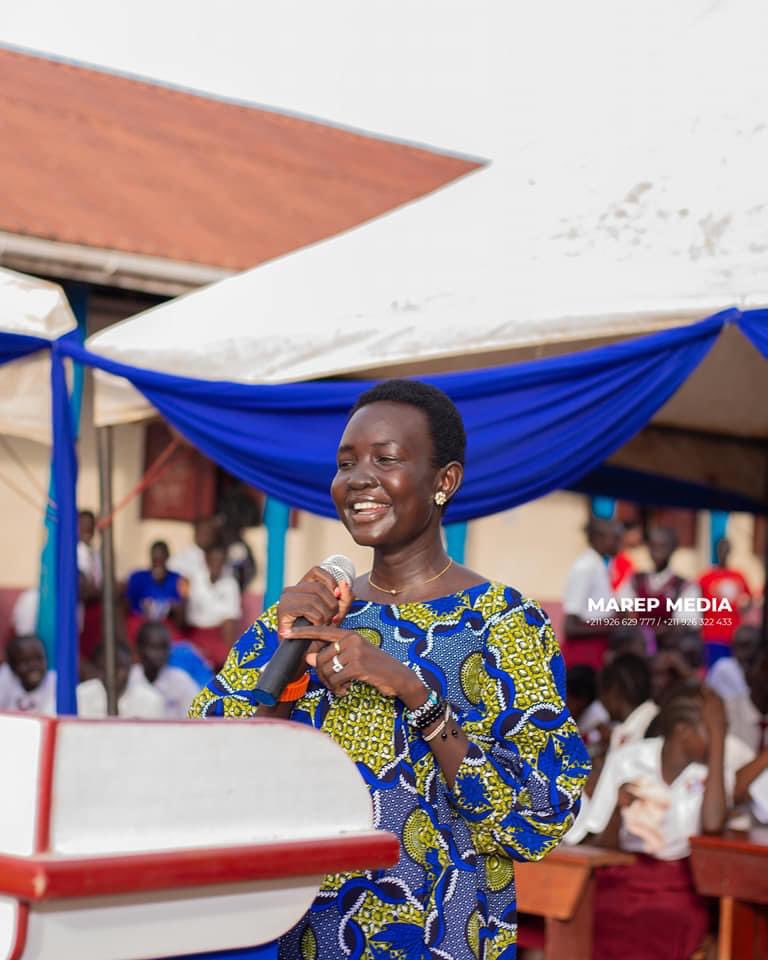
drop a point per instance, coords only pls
(157, 593)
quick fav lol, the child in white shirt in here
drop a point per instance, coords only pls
(26, 684)
(653, 795)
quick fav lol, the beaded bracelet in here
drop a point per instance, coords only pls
(427, 713)
(441, 728)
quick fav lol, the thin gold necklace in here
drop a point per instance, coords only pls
(423, 583)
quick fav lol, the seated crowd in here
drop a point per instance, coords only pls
(674, 711)
(176, 622)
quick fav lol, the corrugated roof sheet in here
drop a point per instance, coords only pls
(92, 158)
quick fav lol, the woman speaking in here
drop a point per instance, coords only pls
(446, 689)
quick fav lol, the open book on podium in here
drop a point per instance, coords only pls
(123, 839)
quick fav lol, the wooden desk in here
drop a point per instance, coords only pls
(734, 867)
(561, 888)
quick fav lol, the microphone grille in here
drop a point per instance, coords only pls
(340, 568)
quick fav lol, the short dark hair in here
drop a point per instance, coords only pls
(667, 532)
(630, 675)
(449, 439)
(13, 645)
(158, 545)
(581, 681)
(682, 708)
(150, 627)
(89, 514)
(623, 637)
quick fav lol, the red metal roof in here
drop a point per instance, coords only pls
(92, 158)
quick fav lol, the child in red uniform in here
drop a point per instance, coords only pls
(722, 583)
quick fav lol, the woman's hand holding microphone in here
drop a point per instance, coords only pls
(340, 656)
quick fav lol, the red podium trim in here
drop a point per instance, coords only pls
(45, 785)
(46, 877)
(20, 933)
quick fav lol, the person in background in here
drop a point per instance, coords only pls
(25, 611)
(670, 674)
(748, 713)
(586, 636)
(155, 594)
(627, 639)
(90, 584)
(240, 559)
(177, 688)
(191, 560)
(213, 608)
(654, 795)
(26, 683)
(621, 567)
(625, 691)
(727, 677)
(134, 701)
(88, 559)
(663, 585)
(748, 717)
(581, 699)
(723, 583)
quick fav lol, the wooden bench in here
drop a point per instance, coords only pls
(734, 867)
(561, 889)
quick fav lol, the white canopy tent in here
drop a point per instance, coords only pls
(34, 308)
(624, 193)
(506, 264)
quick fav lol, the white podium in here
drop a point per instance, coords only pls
(122, 840)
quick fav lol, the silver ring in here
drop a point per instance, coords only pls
(337, 665)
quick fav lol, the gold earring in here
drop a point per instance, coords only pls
(440, 498)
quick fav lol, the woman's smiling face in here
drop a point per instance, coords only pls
(386, 479)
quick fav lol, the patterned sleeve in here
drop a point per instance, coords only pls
(230, 693)
(519, 784)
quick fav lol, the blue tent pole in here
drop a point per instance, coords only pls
(456, 541)
(48, 621)
(718, 527)
(603, 507)
(276, 518)
(63, 535)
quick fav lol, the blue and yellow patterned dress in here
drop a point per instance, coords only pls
(493, 654)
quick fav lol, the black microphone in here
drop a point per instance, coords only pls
(281, 668)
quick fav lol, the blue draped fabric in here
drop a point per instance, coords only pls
(63, 512)
(48, 623)
(13, 346)
(533, 427)
(754, 325)
(64, 470)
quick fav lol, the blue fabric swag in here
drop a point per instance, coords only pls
(533, 427)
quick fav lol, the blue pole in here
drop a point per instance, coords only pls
(456, 541)
(718, 527)
(603, 507)
(49, 621)
(64, 536)
(276, 518)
